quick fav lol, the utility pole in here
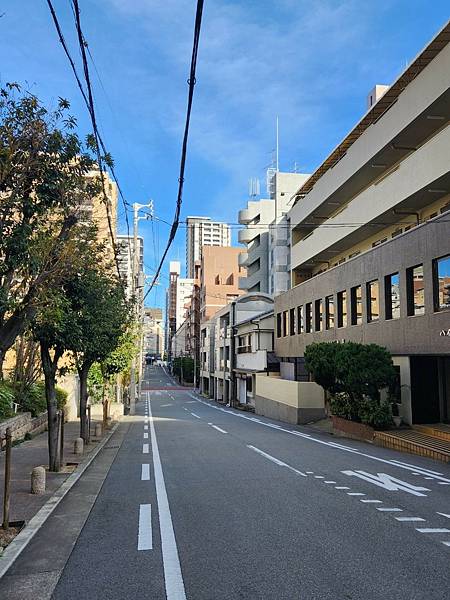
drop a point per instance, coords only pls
(135, 287)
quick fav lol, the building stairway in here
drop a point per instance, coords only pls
(431, 441)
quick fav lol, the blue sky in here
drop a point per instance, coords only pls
(312, 63)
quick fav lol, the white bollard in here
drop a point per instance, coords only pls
(98, 430)
(78, 446)
(38, 480)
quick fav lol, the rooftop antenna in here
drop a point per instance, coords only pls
(277, 155)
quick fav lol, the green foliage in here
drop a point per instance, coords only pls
(183, 367)
(43, 168)
(376, 414)
(32, 398)
(95, 383)
(354, 374)
(6, 400)
(119, 361)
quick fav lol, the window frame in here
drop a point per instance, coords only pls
(370, 317)
(354, 306)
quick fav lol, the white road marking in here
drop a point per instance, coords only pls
(408, 519)
(218, 428)
(355, 494)
(372, 501)
(329, 482)
(196, 416)
(388, 482)
(443, 483)
(310, 472)
(341, 487)
(428, 477)
(171, 562)
(145, 436)
(446, 543)
(278, 462)
(432, 530)
(392, 462)
(444, 515)
(145, 472)
(319, 477)
(190, 402)
(145, 537)
(145, 427)
(165, 405)
(145, 449)
(389, 509)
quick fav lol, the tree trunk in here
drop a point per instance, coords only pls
(49, 367)
(2, 360)
(83, 372)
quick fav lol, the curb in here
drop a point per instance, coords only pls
(21, 541)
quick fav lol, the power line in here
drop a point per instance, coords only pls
(191, 83)
(90, 108)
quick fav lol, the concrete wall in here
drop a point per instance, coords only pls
(22, 424)
(290, 401)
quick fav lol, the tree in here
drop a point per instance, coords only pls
(101, 317)
(43, 183)
(320, 360)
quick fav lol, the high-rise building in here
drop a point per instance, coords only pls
(125, 260)
(266, 235)
(153, 331)
(178, 300)
(202, 231)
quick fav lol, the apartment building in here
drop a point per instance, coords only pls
(218, 374)
(153, 331)
(178, 297)
(200, 232)
(266, 235)
(125, 252)
(370, 239)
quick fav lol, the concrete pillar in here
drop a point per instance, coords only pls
(38, 480)
(78, 446)
(98, 430)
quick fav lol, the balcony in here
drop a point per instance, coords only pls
(242, 283)
(252, 361)
(245, 236)
(245, 216)
(242, 259)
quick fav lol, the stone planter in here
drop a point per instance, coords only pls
(353, 430)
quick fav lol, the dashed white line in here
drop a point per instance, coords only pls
(145, 472)
(218, 428)
(319, 477)
(145, 436)
(409, 519)
(341, 487)
(145, 537)
(278, 462)
(310, 472)
(329, 482)
(355, 494)
(381, 509)
(432, 530)
(443, 515)
(145, 449)
(372, 501)
(196, 416)
(145, 427)
(446, 543)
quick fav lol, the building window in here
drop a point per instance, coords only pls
(373, 300)
(342, 309)
(441, 283)
(415, 293)
(292, 321)
(278, 325)
(329, 312)
(299, 319)
(356, 305)
(392, 295)
(308, 317)
(318, 315)
(285, 323)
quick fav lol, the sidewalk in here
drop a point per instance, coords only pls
(33, 453)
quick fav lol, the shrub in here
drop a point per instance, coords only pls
(61, 397)
(6, 400)
(344, 406)
(376, 414)
(32, 398)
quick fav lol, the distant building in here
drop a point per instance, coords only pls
(125, 253)
(153, 331)
(266, 235)
(202, 231)
(177, 300)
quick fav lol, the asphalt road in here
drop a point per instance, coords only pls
(207, 503)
